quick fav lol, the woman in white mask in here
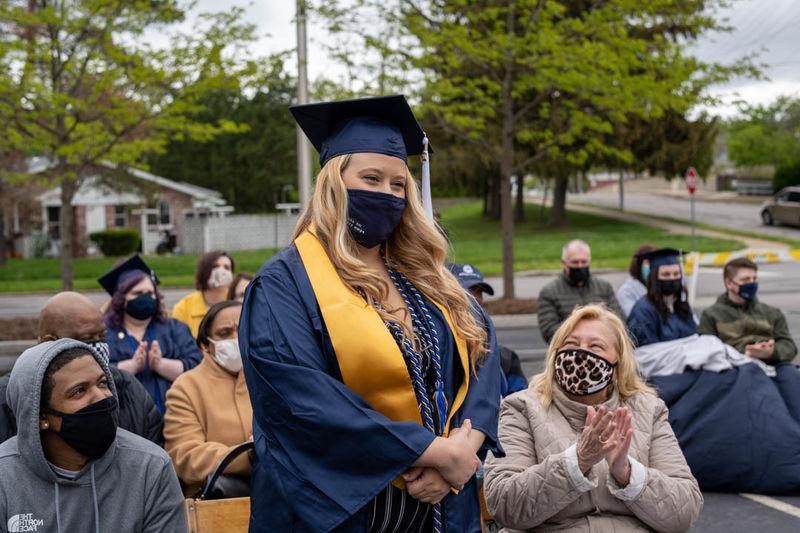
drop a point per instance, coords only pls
(208, 408)
(211, 281)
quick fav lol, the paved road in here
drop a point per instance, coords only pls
(744, 216)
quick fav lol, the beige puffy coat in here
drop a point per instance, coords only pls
(531, 488)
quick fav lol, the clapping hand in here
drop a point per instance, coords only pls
(155, 355)
(137, 362)
(596, 439)
(617, 457)
(139, 357)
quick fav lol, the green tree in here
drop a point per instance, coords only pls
(255, 169)
(540, 85)
(767, 135)
(81, 84)
(667, 145)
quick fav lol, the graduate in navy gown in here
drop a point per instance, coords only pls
(142, 338)
(375, 383)
(664, 313)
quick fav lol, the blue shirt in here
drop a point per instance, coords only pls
(175, 341)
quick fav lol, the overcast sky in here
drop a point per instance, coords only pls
(768, 27)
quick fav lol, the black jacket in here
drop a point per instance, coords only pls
(137, 411)
(8, 425)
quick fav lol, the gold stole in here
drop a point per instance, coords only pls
(369, 359)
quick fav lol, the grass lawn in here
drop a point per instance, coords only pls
(474, 240)
(538, 247)
(27, 275)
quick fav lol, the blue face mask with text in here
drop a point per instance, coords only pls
(373, 216)
(748, 291)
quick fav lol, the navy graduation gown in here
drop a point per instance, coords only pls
(175, 341)
(323, 453)
(647, 327)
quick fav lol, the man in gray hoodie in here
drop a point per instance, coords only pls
(70, 469)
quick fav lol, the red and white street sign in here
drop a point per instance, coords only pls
(691, 180)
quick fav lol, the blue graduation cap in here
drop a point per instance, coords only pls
(381, 125)
(125, 270)
(663, 256)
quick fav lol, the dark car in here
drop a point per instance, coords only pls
(784, 208)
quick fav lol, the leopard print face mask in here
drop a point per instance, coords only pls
(581, 372)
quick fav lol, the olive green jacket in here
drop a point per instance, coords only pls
(740, 325)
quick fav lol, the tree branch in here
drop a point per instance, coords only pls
(520, 167)
(530, 105)
(480, 141)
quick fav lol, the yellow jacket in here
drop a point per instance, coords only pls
(208, 414)
(190, 310)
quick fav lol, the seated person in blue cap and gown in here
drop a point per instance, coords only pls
(142, 339)
(375, 384)
(664, 313)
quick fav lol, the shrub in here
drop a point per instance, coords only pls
(116, 242)
(786, 176)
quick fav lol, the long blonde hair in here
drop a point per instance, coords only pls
(627, 380)
(416, 248)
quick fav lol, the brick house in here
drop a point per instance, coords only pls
(151, 204)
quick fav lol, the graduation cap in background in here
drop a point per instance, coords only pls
(663, 256)
(125, 270)
(381, 125)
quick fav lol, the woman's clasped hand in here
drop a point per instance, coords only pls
(606, 435)
(453, 464)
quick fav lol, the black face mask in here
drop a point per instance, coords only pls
(578, 275)
(373, 216)
(142, 307)
(670, 287)
(90, 431)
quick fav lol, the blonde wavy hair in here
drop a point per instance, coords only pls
(416, 248)
(627, 379)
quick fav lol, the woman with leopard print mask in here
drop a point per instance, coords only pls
(588, 445)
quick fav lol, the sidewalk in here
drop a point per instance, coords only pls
(13, 305)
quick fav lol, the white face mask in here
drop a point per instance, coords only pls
(220, 277)
(226, 353)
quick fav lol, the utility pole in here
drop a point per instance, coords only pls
(303, 148)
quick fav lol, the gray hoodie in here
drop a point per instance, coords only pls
(131, 488)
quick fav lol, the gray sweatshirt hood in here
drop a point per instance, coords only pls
(132, 488)
(24, 393)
